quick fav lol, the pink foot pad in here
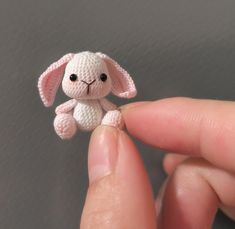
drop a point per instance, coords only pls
(65, 125)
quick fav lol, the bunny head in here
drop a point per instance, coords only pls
(85, 75)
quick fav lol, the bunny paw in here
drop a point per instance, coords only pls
(113, 118)
(65, 125)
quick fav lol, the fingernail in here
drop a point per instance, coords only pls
(159, 204)
(103, 152)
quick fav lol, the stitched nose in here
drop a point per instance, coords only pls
(88, 85)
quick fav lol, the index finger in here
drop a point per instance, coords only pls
(204, 128)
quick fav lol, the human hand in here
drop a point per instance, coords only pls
(199, 182)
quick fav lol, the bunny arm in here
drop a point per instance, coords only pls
(66, 107)
(107, 105)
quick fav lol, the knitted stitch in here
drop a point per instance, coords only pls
(86, 78)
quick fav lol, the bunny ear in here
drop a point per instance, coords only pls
(50, 80)
(122, 83)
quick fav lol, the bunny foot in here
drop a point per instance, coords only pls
(113, 118)
(65, 125)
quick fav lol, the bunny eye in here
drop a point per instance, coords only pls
(103, 77)
(73, 77)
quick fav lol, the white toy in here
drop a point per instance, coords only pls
(87, 78)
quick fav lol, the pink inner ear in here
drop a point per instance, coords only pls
(50, 80)
(122, 83)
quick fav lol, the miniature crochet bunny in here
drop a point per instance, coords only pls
(86, 78)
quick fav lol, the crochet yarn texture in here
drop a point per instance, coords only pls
(87, 78)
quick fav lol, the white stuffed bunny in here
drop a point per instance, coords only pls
(86, 78)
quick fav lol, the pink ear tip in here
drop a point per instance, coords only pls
(42, 94)
(133, 94)
(128, 94)
(44, 100)
(46, 104)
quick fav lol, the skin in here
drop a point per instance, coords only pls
(201, 167)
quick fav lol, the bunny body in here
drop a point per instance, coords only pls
(86, 78)
(88, 114)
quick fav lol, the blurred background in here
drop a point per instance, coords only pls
(171, 48)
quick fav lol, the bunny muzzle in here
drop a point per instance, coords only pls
(88, 85)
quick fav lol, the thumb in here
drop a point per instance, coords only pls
(119, 194)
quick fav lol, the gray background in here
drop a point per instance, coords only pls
(172, 48)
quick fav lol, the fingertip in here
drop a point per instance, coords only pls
(102, 153)
(167, 164)
(171, 161)
(189, 126)
(101, 130)
(119, 193)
